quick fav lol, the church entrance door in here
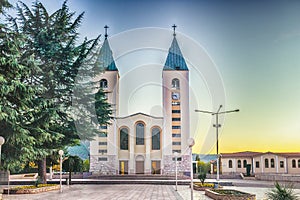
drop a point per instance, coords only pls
(139, 167)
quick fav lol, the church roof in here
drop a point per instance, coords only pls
(106, 59)
(175, 59)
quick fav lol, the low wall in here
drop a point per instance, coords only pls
(240, 196)
(278, 177)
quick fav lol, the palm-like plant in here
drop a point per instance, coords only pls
(281, 192)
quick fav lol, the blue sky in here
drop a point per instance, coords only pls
(254, 45)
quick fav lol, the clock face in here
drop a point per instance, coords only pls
(175, 96)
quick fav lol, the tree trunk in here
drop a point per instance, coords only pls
(42, 170)
(70, 176)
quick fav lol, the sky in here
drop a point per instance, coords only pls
(252, 47)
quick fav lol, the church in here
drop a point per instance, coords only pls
(140, 143)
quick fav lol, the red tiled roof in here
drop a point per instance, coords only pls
(253, 154)
(240, 154)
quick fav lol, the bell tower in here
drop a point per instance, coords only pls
(175, 79)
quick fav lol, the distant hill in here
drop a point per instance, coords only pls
(205, 157)
(82, 150)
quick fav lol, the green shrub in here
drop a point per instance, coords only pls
(202, 177)
(281, 192)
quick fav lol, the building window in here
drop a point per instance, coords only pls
(155, 139)
(175, 111)
(102, 143)
(176, 143)
(299, 163)
(266, 163)
(102, 151)
(272, 163)
(175, 119)
(178, 151)
(239, 164)
(175, 103)
(281, 164)
(102, 134)
(293, 163)
(175, 83)
(140, 134)
(103, 83)
(102, 159)
(257, 164)
(245, 163)
(176, 135)
(124, 139)
(103, 127)
(178, 159)
(175, 127)
(230, 163)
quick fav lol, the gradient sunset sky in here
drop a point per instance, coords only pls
(254, 45)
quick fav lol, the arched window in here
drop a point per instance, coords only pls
(239, 164)
(299, 163)
(230, 163)
(266, 163)
(294, 163)
(245, 163)
(103, 83)
(272, 163)
(124, 139)
(155, 139)
(175, 83)
(140, 137)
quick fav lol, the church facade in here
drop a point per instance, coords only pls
(141, 143)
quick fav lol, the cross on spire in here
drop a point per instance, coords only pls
(174, 27)
(106, 27)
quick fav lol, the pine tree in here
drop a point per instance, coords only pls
(16, 99)
(52, 39)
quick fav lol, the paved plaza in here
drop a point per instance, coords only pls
(139, 192)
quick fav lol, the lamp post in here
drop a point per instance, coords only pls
(217, 126)
(191, 143)
(61, 153)
(2, 140)
(176, 154)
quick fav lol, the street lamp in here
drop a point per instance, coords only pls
(217, 126)
(191, 143)
(2, 140)
(176, 154)
(61, 153)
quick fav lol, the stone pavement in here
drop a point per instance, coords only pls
(140, 192)
(105, 192)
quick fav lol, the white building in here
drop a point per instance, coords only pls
(140, 143)
(260, 163)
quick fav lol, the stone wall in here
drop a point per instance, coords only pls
(104, 167)
(170, 165)
(278, 177)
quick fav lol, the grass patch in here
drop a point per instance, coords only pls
(25, 187)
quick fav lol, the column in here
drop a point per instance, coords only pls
(131, 162)
(277, 164)
(253, 167)
(147, 150)
(261, 164)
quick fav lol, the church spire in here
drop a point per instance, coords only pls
(106, 27)
(106, 58)
(174, 27)
(175, 59)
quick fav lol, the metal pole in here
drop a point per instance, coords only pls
(218, 167)
(176, 171)
(60, 177)
(192, 176)
(0, 154)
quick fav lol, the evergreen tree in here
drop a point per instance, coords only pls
(16, 96)
(52, 40)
